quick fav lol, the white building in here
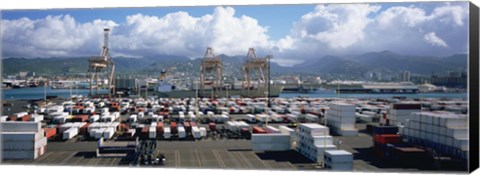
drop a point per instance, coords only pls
(404, 76)
(313, 140)
(341, 119)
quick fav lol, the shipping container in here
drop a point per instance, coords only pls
(160, 126)
(173, 127)
(387, 138)
(188, 127)
(11, 126)
(50, 132)
(258, 130)
(70, 133)
(203, 131)
(166, 133)
(212, 126)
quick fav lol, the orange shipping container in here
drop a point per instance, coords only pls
(50, 132)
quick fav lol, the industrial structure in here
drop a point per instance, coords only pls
(260, 66)
(211, 66)
(102, 64)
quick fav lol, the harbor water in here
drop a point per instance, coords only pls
(41, 92)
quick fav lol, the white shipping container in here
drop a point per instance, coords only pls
(20, 114)
(271, 146)
(3, 118)
(270, 138)
(152, 132)
(203, 131)
(94, 118)
(23, 145)
(340, 166)
(322, 140)
(10, 126)
(21, 136)
(271, 129)
(16, 155)
(338, 156)
(108, 133)
(196, 132)
(457, 132)
(181, 132)
(286, 130)
(70, 133)
(166, 133)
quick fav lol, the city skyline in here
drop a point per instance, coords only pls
(292, 33)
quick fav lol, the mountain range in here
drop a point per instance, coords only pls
(387, 62)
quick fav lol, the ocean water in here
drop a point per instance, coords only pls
(39, 93)
(376, 96)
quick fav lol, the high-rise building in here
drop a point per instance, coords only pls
(404, 76)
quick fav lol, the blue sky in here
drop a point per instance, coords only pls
(291, 32)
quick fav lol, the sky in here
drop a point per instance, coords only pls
(291, 33)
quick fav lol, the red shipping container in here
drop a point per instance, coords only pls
(84, 129)
(212, 126)
(160, 128)
(50, 132)
(25, 118)
(258, 130)
(12, 118)
(145, 129)
(387, 138)
(80, 118)
(173, 127)
(187, 126)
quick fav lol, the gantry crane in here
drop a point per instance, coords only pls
(211, 64)
(102, 64)
(252, 64)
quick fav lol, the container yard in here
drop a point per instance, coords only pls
(240, 133)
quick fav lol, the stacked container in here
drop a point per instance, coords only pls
(339, 160)
(313, 140)
(181, 132)
(341, 119)
(196, 133)
(271, 142)
(400, 112)
(152, 132)
(166, 133)
(445, 132)
(22, 140)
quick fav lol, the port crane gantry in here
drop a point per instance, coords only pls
(102, 64)
(260, 66)
(211, 64)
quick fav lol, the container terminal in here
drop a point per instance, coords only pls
(217, 126)
(242, 133)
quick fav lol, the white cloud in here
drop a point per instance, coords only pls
(340, 29)
(175, 33)
(338, 26)
(52, 36)
(335, 29)
(433, 39)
